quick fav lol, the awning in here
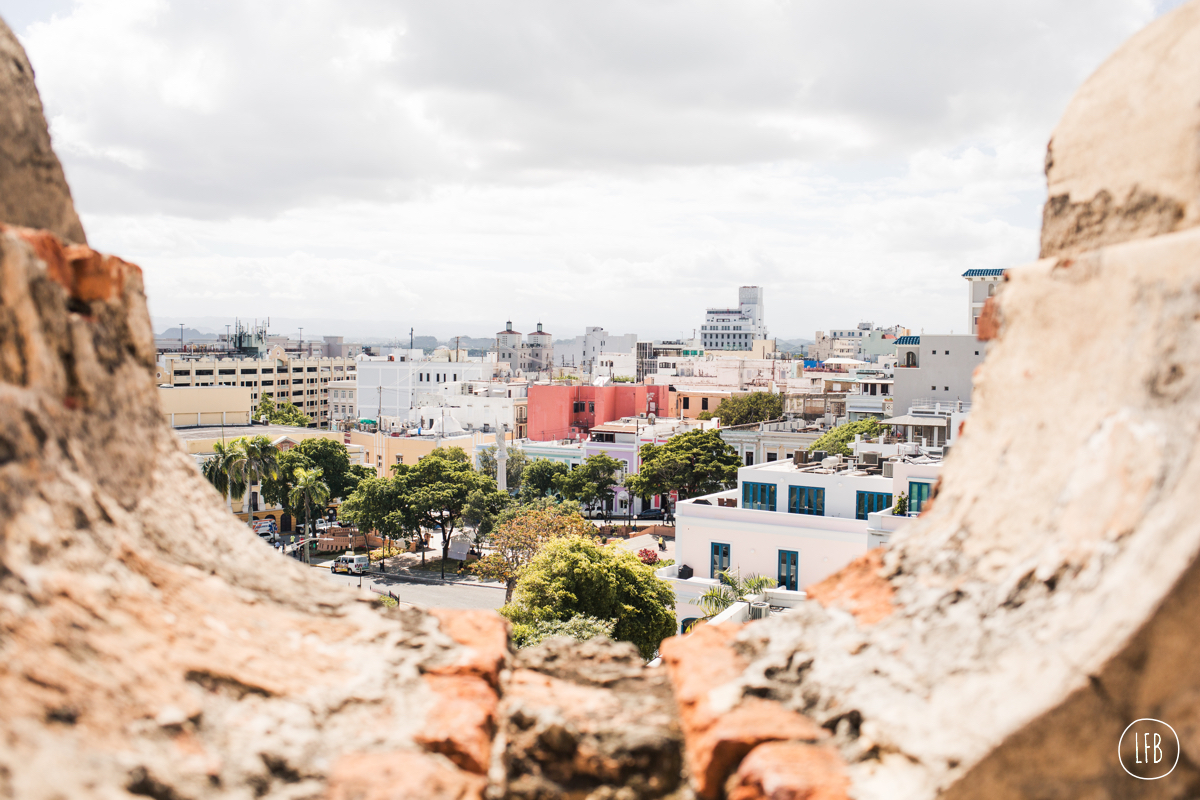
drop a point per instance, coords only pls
(936, 422)
(367, 421)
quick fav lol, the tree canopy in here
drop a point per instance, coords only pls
(329, 456)
(573, 575)
(381, 505)
(592, 481)
(694, 463)
(439, 487)
(517, 540)
(838, 440)
(742, 409)
(540, 479)
(281, 413)
(514, 469)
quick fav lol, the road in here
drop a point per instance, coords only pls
(426, 595)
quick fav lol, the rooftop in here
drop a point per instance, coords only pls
(908, 340)
(234, 431)
(983, 273)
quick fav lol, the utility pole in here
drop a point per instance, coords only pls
(302, 340)
(181, 344)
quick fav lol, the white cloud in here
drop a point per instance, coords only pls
(627, 163)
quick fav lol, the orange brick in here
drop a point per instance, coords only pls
(484, 634)
(462, 721)
(400, 776)
(858, 588)
(790, 771)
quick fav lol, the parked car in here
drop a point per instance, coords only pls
(651, 513)
(264, 528)
(322, 525)
(354, 565)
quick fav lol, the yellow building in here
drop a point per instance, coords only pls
(383, 450)
(197, 406)
(199, 442)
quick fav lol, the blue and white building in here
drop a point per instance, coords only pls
(797, 523)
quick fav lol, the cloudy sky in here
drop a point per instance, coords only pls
(363, 166)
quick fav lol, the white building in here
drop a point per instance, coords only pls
(736, 328)
(585, 350)
(936, 369)
(390, 388)
(615, 365)
(343, 403)
(797, 524)
(981, 284)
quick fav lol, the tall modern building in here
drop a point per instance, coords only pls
(736, 328)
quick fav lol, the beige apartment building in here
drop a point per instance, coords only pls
(282, 375)
(205, 406)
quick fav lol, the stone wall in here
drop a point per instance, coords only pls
(151, 645)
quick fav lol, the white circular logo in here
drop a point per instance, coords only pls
(1148, 749)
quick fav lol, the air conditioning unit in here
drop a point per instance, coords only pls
(887, 468)
(817, 455)
(869, 459)
(800, 457)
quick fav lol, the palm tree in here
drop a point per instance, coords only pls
(261, 462)
(731, 589)
(308, 491)
(226, 470)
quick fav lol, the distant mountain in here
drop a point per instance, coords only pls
(791, 345)
(189, 334)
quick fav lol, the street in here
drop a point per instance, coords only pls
(425, 595)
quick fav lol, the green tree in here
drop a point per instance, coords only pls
(592, 481)
(226, 470)
(262, 460)
(838, 440)
(540, 478)
(693, 463)
(308, 490)
(482, 509)
(439, 486)
(518, 540)
(573, 575)
(328, 455)
(514, 466)
(743, 409)
(282, 413)
(333, 460)
(733, 588)
(381, 505)
(581, 627)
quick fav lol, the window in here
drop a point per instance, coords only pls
(870, 502)
(976, 352)
(933, 352)
(249, 372)
(945, 388)
(918, 496)
(268, 383)
(204, 372)
(750, 459)
(910, 359)
(806, 500)
(933, 388)
(577, 407)
(758, 496)
(686, 403)
(704, 404)
(772, 456)
(591, 407)
(720, 559)
(312, 369)
(789, 569)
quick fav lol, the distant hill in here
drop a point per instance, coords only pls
(189, 334)
(791, 345)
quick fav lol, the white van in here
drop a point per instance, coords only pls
(354, 565)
